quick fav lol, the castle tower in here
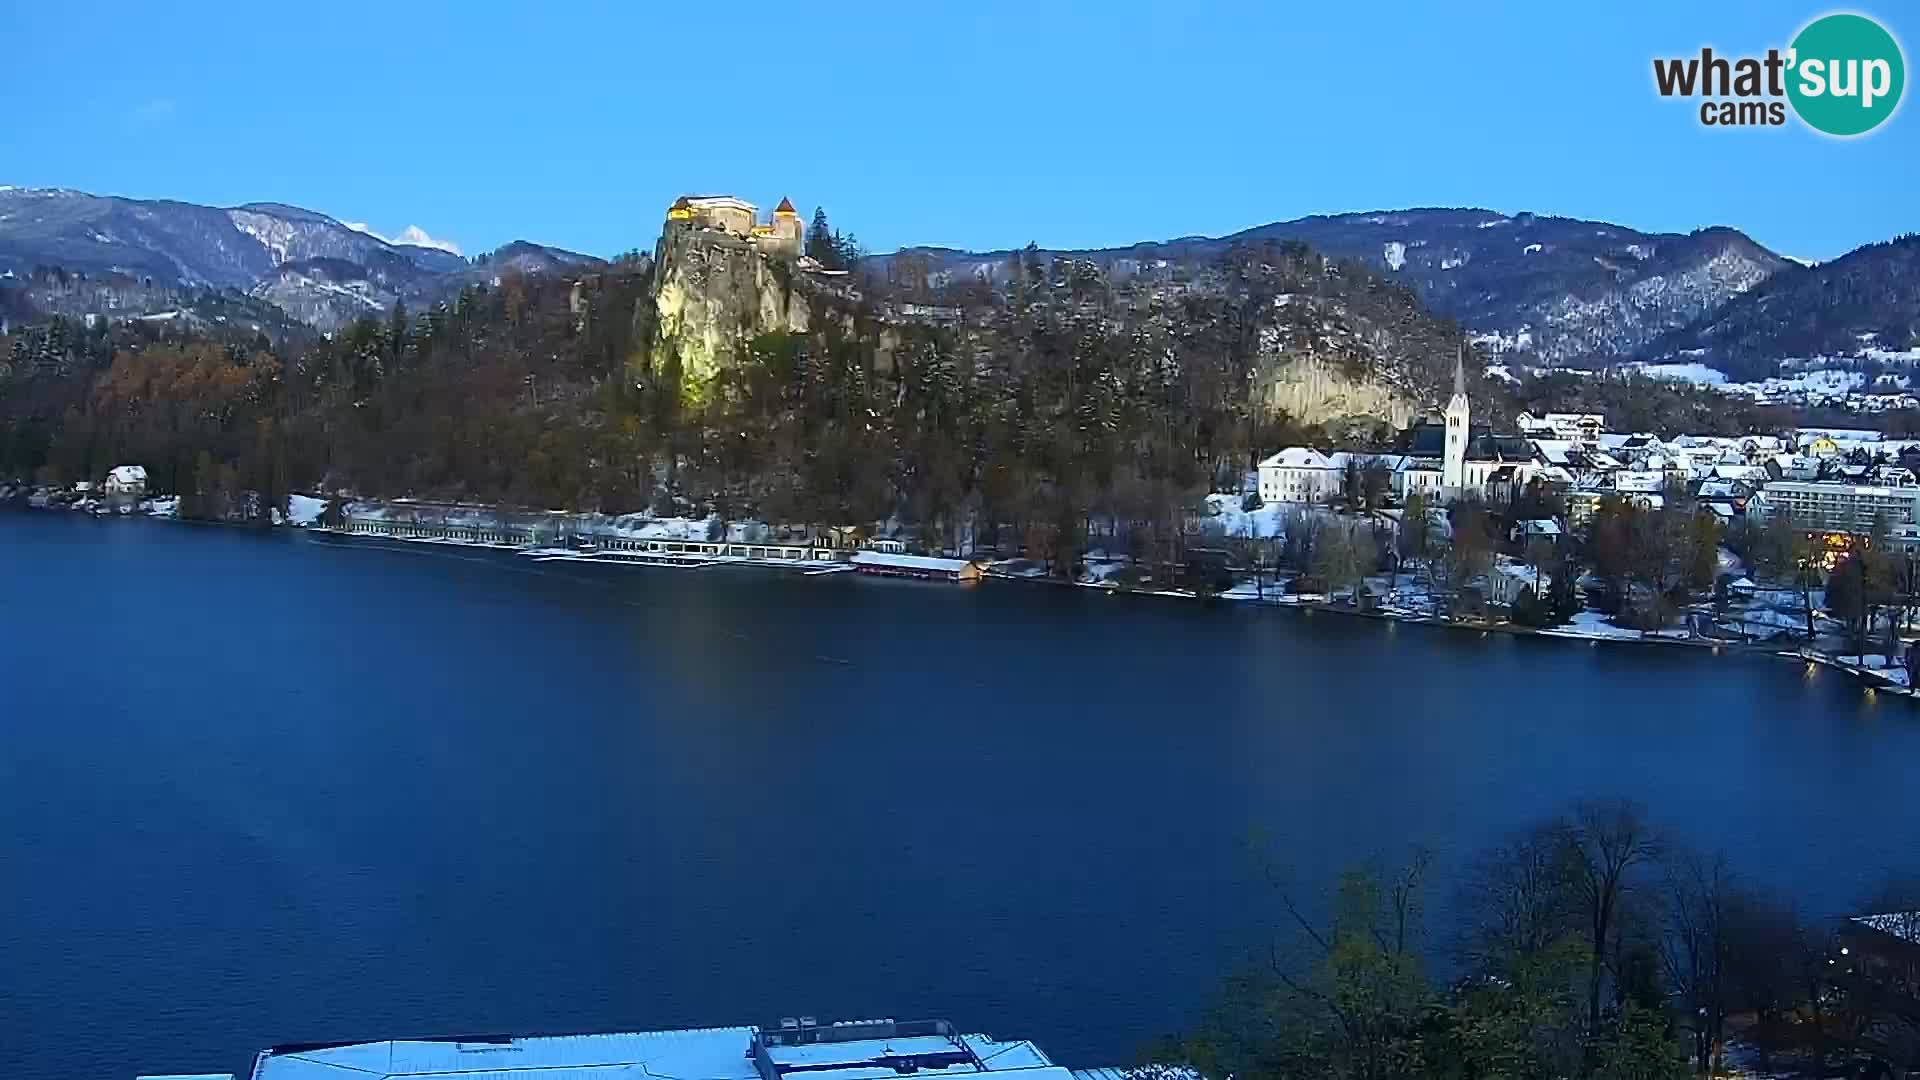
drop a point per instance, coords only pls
(1453, 464)
(787, 227)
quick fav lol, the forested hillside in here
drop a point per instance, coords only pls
(1061, 396)
(1017, 416)
(1868, 299)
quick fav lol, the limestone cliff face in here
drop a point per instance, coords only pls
(713, 293)
(1313, 390)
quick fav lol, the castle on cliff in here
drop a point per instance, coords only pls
(737, 217)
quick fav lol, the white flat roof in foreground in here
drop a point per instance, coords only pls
(694, 1054)
(703, 1053)
(830, 1053)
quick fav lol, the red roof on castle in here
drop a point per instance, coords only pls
(786, 207)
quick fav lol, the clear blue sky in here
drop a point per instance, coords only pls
(973, 124)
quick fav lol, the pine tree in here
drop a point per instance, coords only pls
(819, 242)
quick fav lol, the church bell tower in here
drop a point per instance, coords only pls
(1453, 464)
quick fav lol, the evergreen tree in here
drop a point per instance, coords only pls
(819, 241)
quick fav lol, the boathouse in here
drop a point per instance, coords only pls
(891, 564)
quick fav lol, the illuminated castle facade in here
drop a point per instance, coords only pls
(737, 217)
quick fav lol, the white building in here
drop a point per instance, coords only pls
(798, 1049)
(126, 480)
(1839, 508)
(1574, 427)
(1509, 577)
(1301, 474)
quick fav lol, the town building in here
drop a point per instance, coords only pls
(781, 234)
(1574, 427)
(1509, 577)
(1299, 474)
(797, 1049)
(126, 480)
(1841, 513)
(926, 567)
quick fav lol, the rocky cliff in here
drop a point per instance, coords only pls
(713, 294)
(1315, 390)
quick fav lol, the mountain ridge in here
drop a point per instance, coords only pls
(154, 250)
(1549, 289)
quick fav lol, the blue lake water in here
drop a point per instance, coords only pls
(267, 788)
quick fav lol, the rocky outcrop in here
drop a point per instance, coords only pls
(713, 294)
(1314, 391)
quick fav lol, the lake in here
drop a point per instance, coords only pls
(271, 788)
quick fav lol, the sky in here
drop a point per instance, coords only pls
(978, 125)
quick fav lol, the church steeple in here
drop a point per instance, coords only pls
(1453, 461)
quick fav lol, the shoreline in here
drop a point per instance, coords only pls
(1870, 679)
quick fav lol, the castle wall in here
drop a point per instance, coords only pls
(738, 222)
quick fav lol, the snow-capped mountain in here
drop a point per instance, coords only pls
(322, 271)
(411, 236)
(1556, 290)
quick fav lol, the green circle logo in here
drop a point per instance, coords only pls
(1846, 74)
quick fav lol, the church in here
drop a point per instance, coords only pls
(1461, 463)
(1444, 463)
(1453, 462)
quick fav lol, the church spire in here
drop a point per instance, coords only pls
(1460, 371)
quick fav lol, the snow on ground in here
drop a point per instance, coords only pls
(304, 509)
(1395, 253)
(1816, 381)
(1265, 523)
(166, 507)
(1499, 343)
(1593, 624)
(1884, 669)
(1696, 373)
(1023, 568)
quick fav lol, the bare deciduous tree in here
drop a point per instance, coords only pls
(1612, 843)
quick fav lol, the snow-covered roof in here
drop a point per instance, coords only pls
(707, 1053)
(726, 1053)
(1644, 482)
(909, 562)
(1298, 457)
(1712, 489)
(1554, 450)
(128, 474)
(720, 202)
(1514, 568)
(1901, 924)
